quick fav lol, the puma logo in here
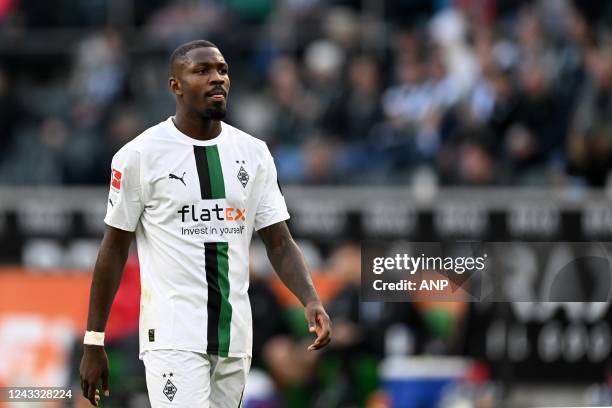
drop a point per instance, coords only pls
(172, 176)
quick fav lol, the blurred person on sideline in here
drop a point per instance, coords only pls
(273, 342)
(192, 189)
(357, 346)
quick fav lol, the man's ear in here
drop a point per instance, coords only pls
(175, 86)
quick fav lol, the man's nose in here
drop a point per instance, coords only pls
(217, 78)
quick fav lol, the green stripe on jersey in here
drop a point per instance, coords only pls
(218, 305)
(215, 172)
(225, 318)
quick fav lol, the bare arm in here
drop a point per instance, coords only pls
(106, 278)
(289, 264)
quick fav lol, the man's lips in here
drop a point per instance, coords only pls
(216, 92)
(217, 95)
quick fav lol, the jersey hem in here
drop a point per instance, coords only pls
(194, 350)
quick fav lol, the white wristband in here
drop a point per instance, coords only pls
(93, 338)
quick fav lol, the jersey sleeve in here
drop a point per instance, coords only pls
(272, 207)
(125, 204)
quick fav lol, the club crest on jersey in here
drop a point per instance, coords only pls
(116, 179)
(243, 176)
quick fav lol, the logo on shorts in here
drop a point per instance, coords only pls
(169, 388)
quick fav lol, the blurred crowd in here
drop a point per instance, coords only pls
(345, 92)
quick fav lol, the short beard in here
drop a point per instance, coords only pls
(216, 113)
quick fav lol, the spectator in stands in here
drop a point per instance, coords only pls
(294, 111)
(351, 116)
(355, 108)
(100, 69)
(590, 141)
(179, 21)
(294, 108)
(38, 158)
(534, 135)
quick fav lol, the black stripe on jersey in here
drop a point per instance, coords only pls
(214, 297)
(203, 174)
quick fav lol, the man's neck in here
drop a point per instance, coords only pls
(197, 127)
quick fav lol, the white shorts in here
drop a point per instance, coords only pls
(177, 378)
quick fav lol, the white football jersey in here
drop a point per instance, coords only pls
(194, 205)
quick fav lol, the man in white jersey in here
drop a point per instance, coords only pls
(192, 189)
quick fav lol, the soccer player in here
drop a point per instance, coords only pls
(192, 189)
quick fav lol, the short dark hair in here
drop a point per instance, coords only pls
(182, 50)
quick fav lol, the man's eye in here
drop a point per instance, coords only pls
(202, 71)
(223, 71)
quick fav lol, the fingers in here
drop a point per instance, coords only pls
(323, 332)
(311, 317)
(105, 383)
(93, 370)
(92, 392)
(319, 344)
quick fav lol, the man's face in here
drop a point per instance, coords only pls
(203, 82)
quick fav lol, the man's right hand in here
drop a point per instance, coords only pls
(94, 368)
